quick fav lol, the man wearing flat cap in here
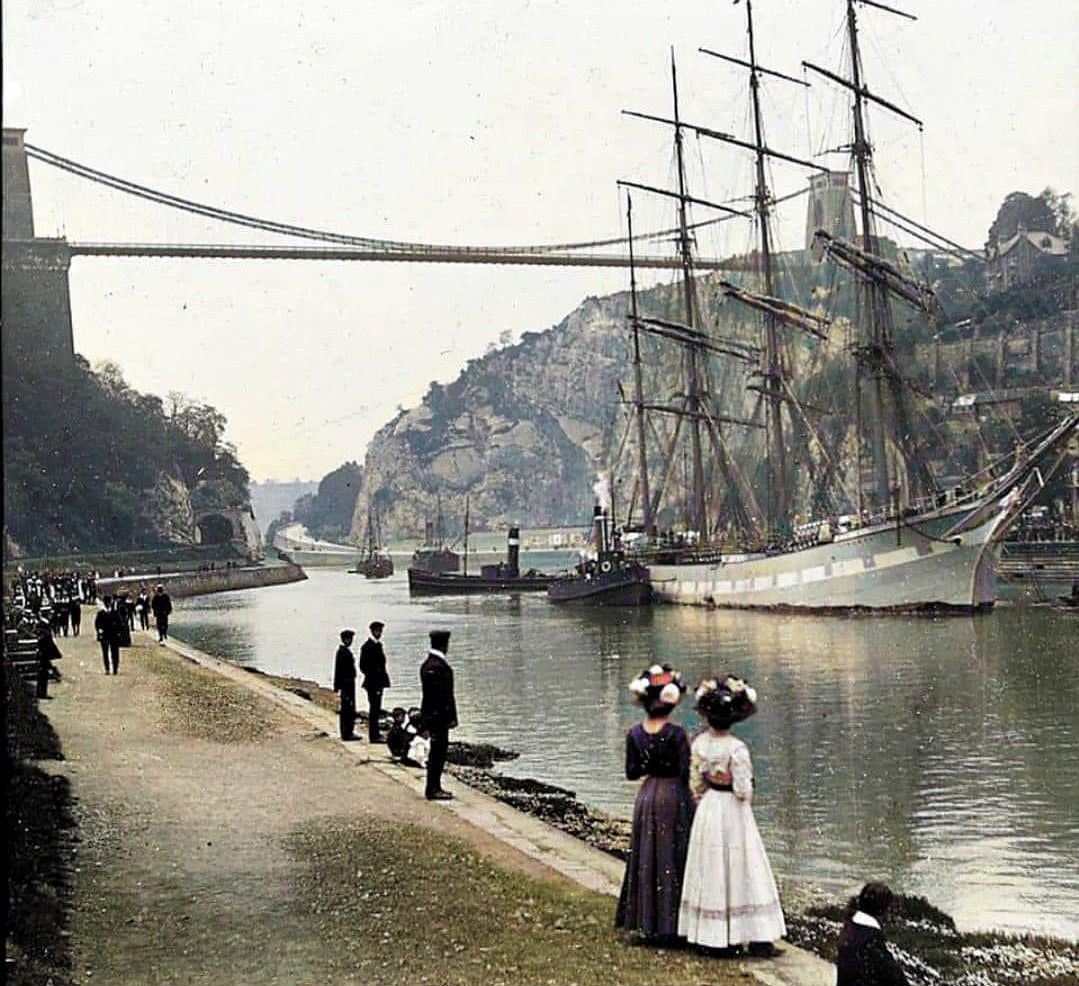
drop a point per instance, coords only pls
(438, 709)
(375, 678)
(344, 683)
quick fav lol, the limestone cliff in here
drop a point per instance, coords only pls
(521, 431)
(525, 431)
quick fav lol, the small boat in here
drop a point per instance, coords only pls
(434, 555)
(502, 577)
(375, 563)
(611, 579)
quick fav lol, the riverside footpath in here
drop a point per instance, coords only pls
(227, 836)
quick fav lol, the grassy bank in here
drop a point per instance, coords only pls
(410, 905)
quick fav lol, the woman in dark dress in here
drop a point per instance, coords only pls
(658, 751)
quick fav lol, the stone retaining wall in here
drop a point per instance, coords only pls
(181, 584)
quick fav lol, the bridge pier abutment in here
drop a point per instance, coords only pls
(36, 304)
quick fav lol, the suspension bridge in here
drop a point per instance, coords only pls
(331, 246)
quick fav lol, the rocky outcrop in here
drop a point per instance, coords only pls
(169, 511)
(522, 432)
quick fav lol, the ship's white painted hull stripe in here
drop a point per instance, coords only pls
(886, 569)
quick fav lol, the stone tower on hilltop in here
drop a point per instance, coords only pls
(831, 206)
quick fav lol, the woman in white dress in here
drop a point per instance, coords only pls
(729, 896)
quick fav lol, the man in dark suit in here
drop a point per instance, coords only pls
(439, 710)
(109, 630)
(375, 678)
(344, 683)
(161, 604)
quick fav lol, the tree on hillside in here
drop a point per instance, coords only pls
(328, 512)
(1048, 212)
(83, 452)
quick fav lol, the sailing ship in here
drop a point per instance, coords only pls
(501, 577)
(612, 578)
(434, 555)
(900, 540)
(375, 562)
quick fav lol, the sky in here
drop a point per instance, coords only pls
(469, 123)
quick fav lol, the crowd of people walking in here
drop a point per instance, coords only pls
(50, 605)
(57, 597)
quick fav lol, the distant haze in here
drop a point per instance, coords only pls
(470, 123)
(270, 498)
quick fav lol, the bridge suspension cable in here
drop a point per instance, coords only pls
(327, 236)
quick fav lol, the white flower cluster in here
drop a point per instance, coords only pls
(671, 682)
(730, 684)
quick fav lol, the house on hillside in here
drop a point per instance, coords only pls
(1023, 257)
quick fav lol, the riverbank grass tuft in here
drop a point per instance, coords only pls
(201, 704)
(409, 905)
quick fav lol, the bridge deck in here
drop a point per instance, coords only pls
(455, 255)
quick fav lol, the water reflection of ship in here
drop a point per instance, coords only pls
(886, 536)
(610, 579)
(500, 577)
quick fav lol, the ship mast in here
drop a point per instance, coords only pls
(642, 450)
(876, 351)
(778, 486)
(876, 305)
(697, 517)
(774, 386)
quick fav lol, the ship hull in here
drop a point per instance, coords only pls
(423, 583)
(620, 588)
(923, 563)
(379, 567)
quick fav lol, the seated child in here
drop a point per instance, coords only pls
(400, 735)
(418, 750)
(420, 747)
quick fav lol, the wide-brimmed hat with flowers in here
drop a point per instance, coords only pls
(728, 696)
(658, 683)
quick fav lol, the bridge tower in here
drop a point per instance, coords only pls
(36, 306)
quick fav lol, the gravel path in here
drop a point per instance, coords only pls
(189, 788)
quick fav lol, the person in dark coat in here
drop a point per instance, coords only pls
(76, 615)
(161, 605)
(439, 710)
(61, 610)
(658, 751)
(127, 610)
(375, 678)
(47, 652)
(864, 959)
(109, 629)
(344, 683)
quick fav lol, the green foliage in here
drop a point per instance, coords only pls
(1048, 212)
(82, 450)
(327, 513)
(412, 905)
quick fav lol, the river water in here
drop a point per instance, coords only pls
(940, 755)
